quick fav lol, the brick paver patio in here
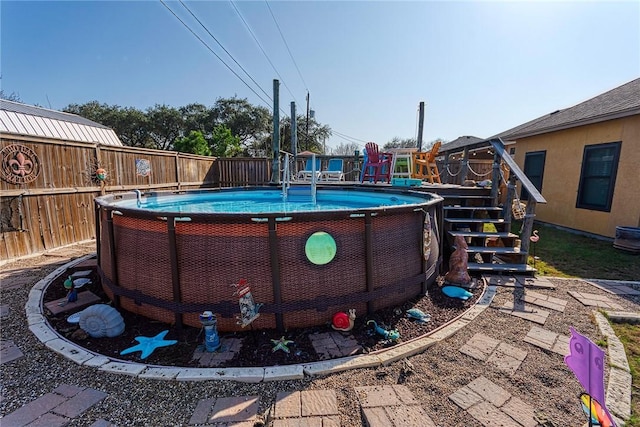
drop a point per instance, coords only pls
(525, 311)
(548, 340)
(491, 405)
(595, 300)
(54, 409)
(545, 301)
(391, 406)
(329, 345)
(306, 408)
(9, 351)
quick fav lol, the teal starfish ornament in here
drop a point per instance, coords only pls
(281, 344)
(147, 345)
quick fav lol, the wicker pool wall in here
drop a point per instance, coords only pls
(171, 269)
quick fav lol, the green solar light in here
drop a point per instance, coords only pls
(320, 248)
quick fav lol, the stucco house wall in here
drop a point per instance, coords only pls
(561, 176)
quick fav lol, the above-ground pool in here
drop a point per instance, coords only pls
(172, 255)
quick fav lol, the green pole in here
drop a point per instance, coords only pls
(275, 166)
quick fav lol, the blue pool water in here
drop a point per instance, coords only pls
(270, 201)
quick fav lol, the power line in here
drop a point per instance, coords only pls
(262, 49)
(223, 48)
(215, 54)
(287, 46)
(347, 137)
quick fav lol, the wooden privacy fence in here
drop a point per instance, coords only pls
(47, 186)
(243, 171)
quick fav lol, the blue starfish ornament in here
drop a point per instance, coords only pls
(147, 345)
(281, 344)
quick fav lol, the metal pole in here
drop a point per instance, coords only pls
(294, 138)
(275, 166)
(307, 131)
(420, 125)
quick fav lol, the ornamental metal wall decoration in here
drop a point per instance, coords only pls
(20, 164)
(143, 167)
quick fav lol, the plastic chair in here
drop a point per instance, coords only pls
(425, 166)
(378, 164)
(307, 173)
(333, 171)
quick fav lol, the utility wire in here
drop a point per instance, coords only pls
(344, 136)
(223, 48)
(215, 54)
(262, 49)
(285, 43)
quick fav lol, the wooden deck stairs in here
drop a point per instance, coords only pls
(492, 247)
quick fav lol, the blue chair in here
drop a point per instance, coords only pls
(333, 171)
(307, 173)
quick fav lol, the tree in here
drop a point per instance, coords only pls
(251, 124)
(165, 126)
(198, 117)
(13, 96)
(317, 134)
(396, 142)
(346, 149)
(132, 126)
(193, 143)
(223, 143)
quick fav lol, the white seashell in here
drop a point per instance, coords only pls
(78, 283)
(101, 320)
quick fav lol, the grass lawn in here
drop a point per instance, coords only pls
(565, 254)
(630, 337)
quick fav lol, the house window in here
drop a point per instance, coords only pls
(533, 169)
(598, 176)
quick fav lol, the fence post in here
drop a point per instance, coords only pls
(495, 179)
(464, 166)
(178, 180)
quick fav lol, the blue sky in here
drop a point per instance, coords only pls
(480, 67)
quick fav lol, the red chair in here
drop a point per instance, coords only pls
(378, 164)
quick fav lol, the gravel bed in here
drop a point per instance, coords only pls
(543, 381)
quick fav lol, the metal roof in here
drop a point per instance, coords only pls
(22, 119)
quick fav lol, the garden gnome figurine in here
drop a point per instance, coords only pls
(72, 292)
(458, 263)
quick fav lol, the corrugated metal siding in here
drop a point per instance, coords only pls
(25, 124)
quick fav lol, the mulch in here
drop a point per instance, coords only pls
(257, 346)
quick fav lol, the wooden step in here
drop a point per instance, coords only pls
(472, 208)
(499, 250)
(475, 220)
(499, 234)
(467, 196)
(501, 268)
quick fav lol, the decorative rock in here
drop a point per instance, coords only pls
(79, 335)
(456, 292)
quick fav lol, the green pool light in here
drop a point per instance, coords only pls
(320, 248)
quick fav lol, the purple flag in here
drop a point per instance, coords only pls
(586, 360)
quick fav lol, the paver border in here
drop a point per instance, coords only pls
(40, 327)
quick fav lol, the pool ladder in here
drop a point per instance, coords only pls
(300, 192)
